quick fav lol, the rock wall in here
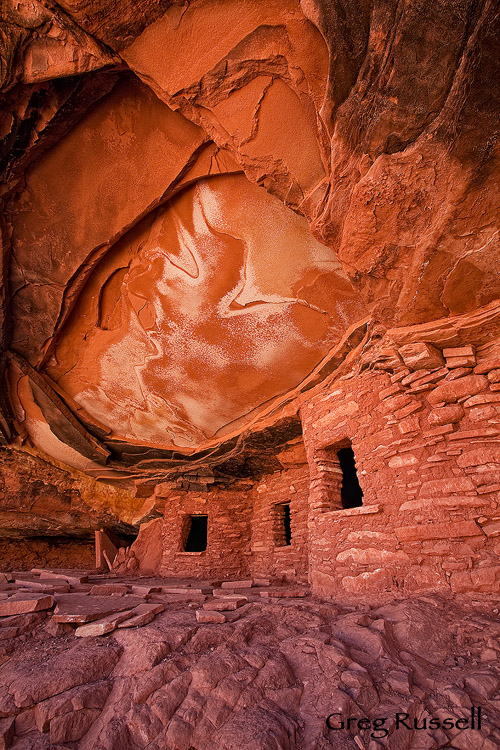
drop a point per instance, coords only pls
(228, 532)
(271, 556)
(220, 219)
(426, 441)
(424, 425)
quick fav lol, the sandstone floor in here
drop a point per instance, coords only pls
(265, 679)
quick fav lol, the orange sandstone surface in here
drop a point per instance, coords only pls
(249, 331)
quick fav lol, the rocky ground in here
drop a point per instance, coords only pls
(264, 673)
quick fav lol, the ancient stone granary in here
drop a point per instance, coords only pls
(249, 280)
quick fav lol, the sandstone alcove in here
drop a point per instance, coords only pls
(250, 346)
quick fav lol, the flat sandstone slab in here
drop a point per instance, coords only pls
(141, 615)
(225, 605)
(83, 608)
(103, 625)
(237, 584)
(290, 593)
(109, 589)
(185, 590)
(21, 603)
(209, 616)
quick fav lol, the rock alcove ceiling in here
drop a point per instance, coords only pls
(240, 240)
(212, 208)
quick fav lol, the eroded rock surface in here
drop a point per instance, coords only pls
(267, 677)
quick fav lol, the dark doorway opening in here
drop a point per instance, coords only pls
(351, 493)
(286, 524)
(283, 525)
(196, 540)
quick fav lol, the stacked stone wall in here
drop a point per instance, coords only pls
(228, 536)
(427, 448)
(270, 556)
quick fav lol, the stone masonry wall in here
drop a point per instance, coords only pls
(427, 445)
(270, 556)
(227, 552)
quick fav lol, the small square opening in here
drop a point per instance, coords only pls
(195, 534)
(282, 525)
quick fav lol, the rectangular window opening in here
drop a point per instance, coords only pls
(351, 494)
(196, 534)
(282, 525)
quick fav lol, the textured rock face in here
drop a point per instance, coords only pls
(264, 675)
(214, 212)
(162, 316)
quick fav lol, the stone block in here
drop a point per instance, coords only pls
(210, 616)
(246, 584)
(407, 410)
(141, 615)
(482, 399)
(459, 351)
(285, 593)
(22, 603)
(483, 367)
(390, 391)
(108, 589)
(424, 579)
(467, 435)
(398, 462)
(446, 415)
(453, 390)
(460, 581)
(449, 529)
(421, 355)
(103, 625)
(446, 486)
(225, 605)
(374, 581)
(453, 362)
(430, 503)
(186, 590)
(145, 590)
(491, 527)
(371, 556)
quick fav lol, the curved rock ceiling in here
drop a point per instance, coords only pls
(185, 325)
(208, 205)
